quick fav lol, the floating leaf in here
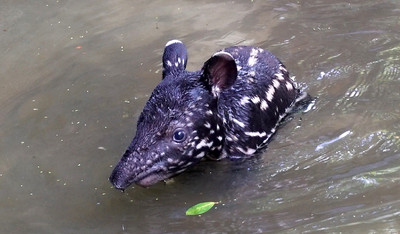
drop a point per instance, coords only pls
(200, 208)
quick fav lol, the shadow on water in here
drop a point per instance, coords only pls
(71, 98)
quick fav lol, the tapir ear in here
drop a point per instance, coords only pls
(219, 72)
(174, 58)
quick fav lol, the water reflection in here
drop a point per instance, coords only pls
(77, 74)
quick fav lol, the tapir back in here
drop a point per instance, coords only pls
(261, 96)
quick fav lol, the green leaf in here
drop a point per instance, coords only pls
(200, 208)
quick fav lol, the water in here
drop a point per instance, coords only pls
(76, 74)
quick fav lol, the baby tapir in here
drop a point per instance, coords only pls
(228, 109)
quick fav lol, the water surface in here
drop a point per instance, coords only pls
(76, 74)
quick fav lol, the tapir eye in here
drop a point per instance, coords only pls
(179, 135)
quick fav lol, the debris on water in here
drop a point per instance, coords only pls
(200, 208)
(321, 146)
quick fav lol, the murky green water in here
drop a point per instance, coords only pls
(76, 74)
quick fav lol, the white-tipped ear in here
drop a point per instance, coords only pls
(219, 72)
(174, 58)
(222, 52)
(173, 42)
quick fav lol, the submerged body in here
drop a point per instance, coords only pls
(228, 109)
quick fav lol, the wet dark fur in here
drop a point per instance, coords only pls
(230, 108)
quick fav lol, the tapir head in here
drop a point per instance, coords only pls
(180, 123)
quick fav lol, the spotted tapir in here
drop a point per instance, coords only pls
(228, 109)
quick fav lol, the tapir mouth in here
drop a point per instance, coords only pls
(121, 178)
(151, 179)
(151, 176)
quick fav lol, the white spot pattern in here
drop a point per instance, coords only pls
(248, 151)
(253, 57)
(241, 124)
(204, 143)
(256, 134)
(200, 155)
(215, 90)
(280, 76)
(244, 100)
(255, 99)
(270, 93)
(283, 69)
(289, 86)
(276, 83)
(264, 105)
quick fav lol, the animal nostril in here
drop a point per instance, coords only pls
(118, 185)
(117, 180)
